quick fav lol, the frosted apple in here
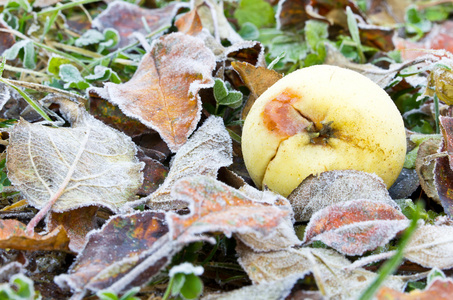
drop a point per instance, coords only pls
(318, 119)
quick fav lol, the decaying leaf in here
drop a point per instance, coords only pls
(318, 192)
(425, 167)
(130, 249)
(127, 18)
(154, 174)
(267, 291)
(6, 39)
(77, 223)
(13, 236)
(327, 267)
(431, 246)
(205, 153)
(256, 79)
(357, 226)
(163, 93)
(218, 207)
(439, 289)
(86, 164)
(112, 251)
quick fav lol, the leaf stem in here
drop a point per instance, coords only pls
(436, 112)
(66, 6)
(169, 287)
(391, 265)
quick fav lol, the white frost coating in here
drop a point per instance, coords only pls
(86, 164)
(206, 151)
(186, 268)
(261, 62)
(318, 192)
(275, 290)
(278, 13)
(5, 95)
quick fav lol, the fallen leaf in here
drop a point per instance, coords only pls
(292, 14)
(205, 153)
(439, 289)
(7, 39)
(13, 236)
(318, 192)
(356, 226)
(154, 174)
(431, 246)
(447, 133)
(112, 251)
(218, 207)
(443, 174)
(251, 52)
(163, 93)
(424, 166)
(327, 267)
(111, 115)
(256, 79)
(77, 223)
(189, 23)
(127, 18)
(279, 289)
(86, 164)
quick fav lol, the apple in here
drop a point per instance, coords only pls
(322, 118)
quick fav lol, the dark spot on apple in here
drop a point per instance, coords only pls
(282, 118)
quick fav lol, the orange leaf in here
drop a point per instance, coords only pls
(215, 206)
(163, 93)
(189, 23)
(357, 226)
(13, 236)
(77, 223)
(439, 289)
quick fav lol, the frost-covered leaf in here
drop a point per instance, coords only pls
(215, 206)
(257, 80)
(112, 251)
(431, 246)
(189, 23)
(318, 192)
(127, 18)
(447, 132)
(424, 166)
(102, 73)
(283, 235)
(72, 77)
(274, 290)
(163, 93)
(207, 150)
(13, 236)
(154, 174)
(356, 226)
(28, 50)
(86, 164)
(327, 267)
(439, 289)
(77, 223)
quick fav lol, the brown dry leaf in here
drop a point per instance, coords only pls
(189, 23)
(318, 192)
(77, 223)
(163, 93)
(127, 18)
(279, 289)
(112, 251)
(356, 226)
(256, 79)
(439, 289)
(431, 246)
(7, 39)
(424, 166)
(207, 150)
(327, 266)
(447, 133)
(218, 207)
(86, 164)
(154, 174)
(13, 236)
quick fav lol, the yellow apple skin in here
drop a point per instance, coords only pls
(280, 149)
